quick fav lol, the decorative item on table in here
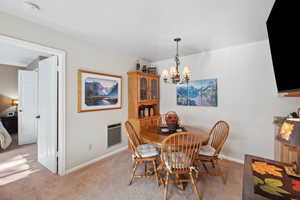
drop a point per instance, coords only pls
(166, 130)
(98, 91)
(152, 69)
(172, 119)
(138, 65)
(163, 130)
(289, 134)
(198, 93)
(144, 69)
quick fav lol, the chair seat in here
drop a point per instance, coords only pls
(147, 150)
(178, 160)
(207, 150)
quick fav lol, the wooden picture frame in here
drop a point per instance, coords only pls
(98, 91)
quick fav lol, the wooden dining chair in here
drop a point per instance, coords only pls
(142, 153)
(178, 152)
(210, 153)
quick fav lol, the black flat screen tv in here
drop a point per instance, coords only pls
(283, 27)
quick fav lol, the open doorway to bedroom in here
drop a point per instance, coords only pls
(31, 109)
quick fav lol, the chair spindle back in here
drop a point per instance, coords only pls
(134, 139)
(179, 150)
(218, 135)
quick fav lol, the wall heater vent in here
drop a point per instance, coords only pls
(114, 134)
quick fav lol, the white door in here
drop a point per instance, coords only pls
(47, 117)
(27, 108)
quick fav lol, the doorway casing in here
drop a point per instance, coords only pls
(61, 93)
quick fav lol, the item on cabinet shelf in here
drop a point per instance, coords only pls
(151, 111)
(144, 69)
(146, 112)
(138, 65)
(141, 112)
(172, 119)
(152, 69)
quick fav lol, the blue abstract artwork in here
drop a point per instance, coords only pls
(100, 92)
(198, 93)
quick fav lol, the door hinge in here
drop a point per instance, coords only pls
(56, 154)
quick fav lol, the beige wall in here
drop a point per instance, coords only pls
(82, 129)
(8, 88)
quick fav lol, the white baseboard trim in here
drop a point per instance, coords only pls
(95, 160)
(231, 159)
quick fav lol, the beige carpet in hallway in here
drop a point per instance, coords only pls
(22, 178)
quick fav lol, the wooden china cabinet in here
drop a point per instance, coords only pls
(143, 100)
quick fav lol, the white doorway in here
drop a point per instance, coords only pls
(46, 101)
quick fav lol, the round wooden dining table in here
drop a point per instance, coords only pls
(152, 136)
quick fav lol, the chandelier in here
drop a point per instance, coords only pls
(173, 75)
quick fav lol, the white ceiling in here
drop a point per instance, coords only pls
(17, 56)
(146, 28)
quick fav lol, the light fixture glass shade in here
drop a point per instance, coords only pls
(187, 72)
(173, 71)
(165, 74)
(289, 132)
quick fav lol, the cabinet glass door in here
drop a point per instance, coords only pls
(154, 89)
(143, 88)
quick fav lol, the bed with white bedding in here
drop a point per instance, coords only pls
(5, 138)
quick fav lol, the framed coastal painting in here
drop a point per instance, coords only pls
(98, 91)
(198, 93)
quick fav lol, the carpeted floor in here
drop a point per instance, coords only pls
(22, 178)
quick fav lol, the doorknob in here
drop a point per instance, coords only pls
(20, 110)
(38, 117)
